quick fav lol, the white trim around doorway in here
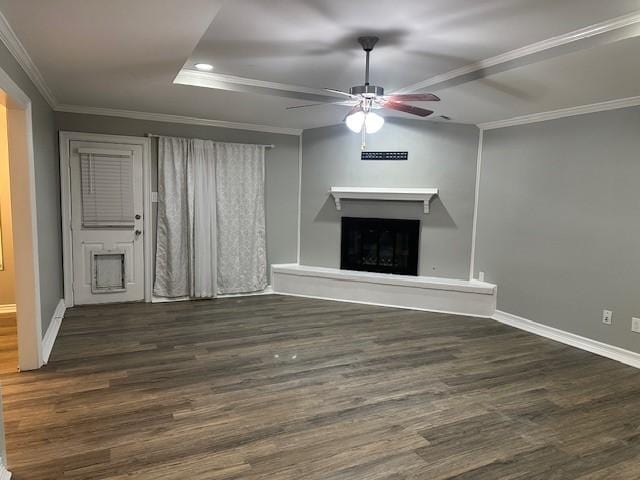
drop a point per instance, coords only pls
(4, 473)
(25, 226)
(65, 194)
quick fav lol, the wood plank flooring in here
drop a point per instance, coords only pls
(276, 388)
(8, 343)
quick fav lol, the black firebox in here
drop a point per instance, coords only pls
(380, 245)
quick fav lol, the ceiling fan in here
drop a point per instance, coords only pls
(364, 99)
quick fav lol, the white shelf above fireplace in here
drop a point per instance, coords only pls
(423, 195)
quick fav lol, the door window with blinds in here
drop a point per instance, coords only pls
(106, 178)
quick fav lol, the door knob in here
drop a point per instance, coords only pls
(138, 217)
(138, 233)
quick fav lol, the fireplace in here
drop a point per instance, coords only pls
(380, 245)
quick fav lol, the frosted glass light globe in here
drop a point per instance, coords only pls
(373, 122)
(355, 121)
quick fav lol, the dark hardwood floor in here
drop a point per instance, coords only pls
(277, 387)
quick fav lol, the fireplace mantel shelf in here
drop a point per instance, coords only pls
(423, 195)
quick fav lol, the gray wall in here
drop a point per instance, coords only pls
(559, 222)
(47, 175)
(440, 155)
(281, 189)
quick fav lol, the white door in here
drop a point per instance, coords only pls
(106, 222)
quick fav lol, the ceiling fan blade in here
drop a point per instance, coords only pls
(305, 106)
(412, 97)
(346, 103)
(402, 107)
(340, 92)
(355, 109)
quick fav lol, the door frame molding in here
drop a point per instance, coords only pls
(65, 194)
(25, 225)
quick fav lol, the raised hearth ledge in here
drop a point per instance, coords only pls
(434, 294)
(423, 195)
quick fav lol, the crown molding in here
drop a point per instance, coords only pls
(562, 113)
(15, 47)
(228, 82)
(167, 118)
(528, 50)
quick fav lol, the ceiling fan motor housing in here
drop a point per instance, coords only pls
(368, 42)
(367, 91)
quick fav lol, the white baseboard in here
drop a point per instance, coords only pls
(8, 308)
(4, 473)
(52, 332)
(609, 351)
(442, 295)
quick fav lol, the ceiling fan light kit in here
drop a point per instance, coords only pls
(371, 121)
(363, 99)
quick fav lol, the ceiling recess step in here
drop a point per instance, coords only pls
(423, 195)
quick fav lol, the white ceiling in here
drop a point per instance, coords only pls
(123, 54)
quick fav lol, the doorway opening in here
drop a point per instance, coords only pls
(23, 345)
(8, 319)
(20, 242)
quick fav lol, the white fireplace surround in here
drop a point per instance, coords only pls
(447, 295)
(422, 195)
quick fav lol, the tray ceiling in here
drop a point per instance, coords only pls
(126, 55)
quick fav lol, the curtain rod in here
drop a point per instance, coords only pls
(153, 135)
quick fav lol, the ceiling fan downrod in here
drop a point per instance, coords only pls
(366, 69)
(367, 44)
(367, 90)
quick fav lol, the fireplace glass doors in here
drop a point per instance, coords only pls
(380, 245)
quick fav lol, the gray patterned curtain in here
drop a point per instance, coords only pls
(211, 218)
(242, 256)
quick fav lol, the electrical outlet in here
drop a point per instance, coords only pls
(607, 316)
(635, 325)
